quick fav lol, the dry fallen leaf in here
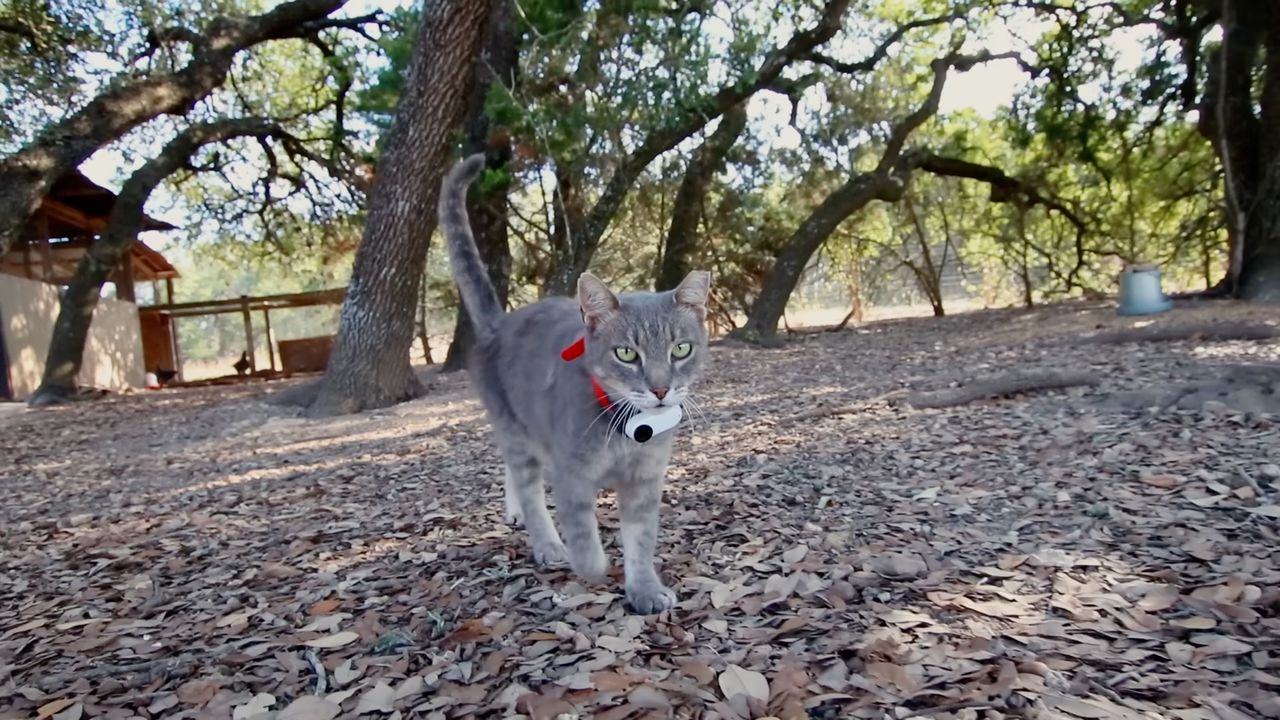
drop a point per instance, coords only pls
(335, 640)
(1195, 622)
(50, 709)
(737, 680)
(410, 687)
(698, 671)
(607, 681)
(347, 671)
(257, 705)
(795, 554)
(324, 607)
(899, 566)
(617, 644)
(469, 631)
(1162, 481)
(75, 712)
(379, 698)
(649, 697)
(198, 692)
(237, 618)
(1161, 597)
(310, 707)
(1180, 653)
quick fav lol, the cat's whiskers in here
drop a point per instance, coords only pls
(696, 406)
(689, 402)
(615, 423)
(602, 413)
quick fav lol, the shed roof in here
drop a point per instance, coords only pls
(77, 207)
(76, 211)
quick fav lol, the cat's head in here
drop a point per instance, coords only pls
(646, 348)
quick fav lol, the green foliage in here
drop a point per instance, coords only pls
(42, 59)
(1099, 127)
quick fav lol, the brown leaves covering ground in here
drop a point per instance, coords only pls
(200, 554)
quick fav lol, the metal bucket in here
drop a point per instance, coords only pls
(1140, 292)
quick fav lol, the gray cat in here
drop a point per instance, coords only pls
(555, 403)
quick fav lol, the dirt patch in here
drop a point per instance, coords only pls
(202, 553)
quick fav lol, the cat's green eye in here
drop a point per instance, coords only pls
(626, 354)
(681, 350)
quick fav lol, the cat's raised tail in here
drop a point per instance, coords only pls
(468, 269)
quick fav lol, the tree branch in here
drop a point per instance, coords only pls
(28, 174)
(692, 118)
(882, 50)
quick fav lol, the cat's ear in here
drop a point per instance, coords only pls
(597, 301)
(694, 291)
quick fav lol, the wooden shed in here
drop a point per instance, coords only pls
(70, 218)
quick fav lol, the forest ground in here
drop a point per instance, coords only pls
(201, 553)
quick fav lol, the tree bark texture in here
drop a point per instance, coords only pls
(587, 232)
(487, 206)
(112, 249)
(682, 236)
(1247, 144)
(369, 366)
(1259, 278)
(27, 175)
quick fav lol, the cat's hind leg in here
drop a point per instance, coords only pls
(527, 503)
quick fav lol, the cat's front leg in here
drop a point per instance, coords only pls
(639, 500)
(576, 511)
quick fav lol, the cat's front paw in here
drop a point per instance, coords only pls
(513, 515)
(550, 553)
(590, 564)
(647, 598)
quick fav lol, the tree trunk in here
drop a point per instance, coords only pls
(108, 252)
(569, 214)
(488, 206)
(423, 336)
(928, 276)
(691, 117)
(887, 182)
(369, 366)
(682, 237)
(857, 193)
(1259, 278)
(1248, 146)
(27, 175)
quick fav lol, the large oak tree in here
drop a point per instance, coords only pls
(369, 365)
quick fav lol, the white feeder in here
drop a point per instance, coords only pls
(1140, 292)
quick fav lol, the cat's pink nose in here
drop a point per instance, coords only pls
(659, 392)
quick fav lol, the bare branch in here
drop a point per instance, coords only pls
(882, 50)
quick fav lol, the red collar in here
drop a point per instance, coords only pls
(575, 351)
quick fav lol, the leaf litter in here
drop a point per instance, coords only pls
(202, 554)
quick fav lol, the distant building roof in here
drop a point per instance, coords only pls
(78, 207)
(70, 217)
